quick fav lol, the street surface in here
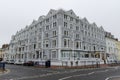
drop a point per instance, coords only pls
(18, 72)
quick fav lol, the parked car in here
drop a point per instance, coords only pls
(29, 63)
(4, 62)
(11, 61)
(39, 63)
(18, 62)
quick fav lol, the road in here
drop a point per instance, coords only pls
(18, 72)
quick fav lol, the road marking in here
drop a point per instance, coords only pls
(29, 77)
(117, 67)
(82, 75)
(50, 71)
(65, 78)
(87, 74)
(108, 78)
(106, 70)
(6, 72)
(91, 73)
(101, 71)
(76, 76)
(36, 76)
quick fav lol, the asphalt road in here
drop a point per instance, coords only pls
(18, 72)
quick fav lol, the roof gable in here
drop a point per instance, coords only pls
(94, 24)
(41, 18)
(85, 20)
(101, 28)
(71, 12)
(51, 12)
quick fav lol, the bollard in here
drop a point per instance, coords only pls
(48, 64)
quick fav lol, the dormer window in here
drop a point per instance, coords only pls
(77, 21)
(65, 16)
(47, 20)
(71, 19)
(55, 16)
(50, 12)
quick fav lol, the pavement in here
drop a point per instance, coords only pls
(3, 72)
(18, 72)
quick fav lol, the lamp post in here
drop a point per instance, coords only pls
(25, 57)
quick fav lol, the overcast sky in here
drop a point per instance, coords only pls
(16, 14)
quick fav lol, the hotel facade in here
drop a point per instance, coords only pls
(112, 48)
(61, 37)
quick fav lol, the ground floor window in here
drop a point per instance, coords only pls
(86, 55)
(76, 54)
(65, 54)
(54, 54)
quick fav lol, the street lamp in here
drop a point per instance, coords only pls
(25, 57)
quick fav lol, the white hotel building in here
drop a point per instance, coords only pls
(62, 37)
